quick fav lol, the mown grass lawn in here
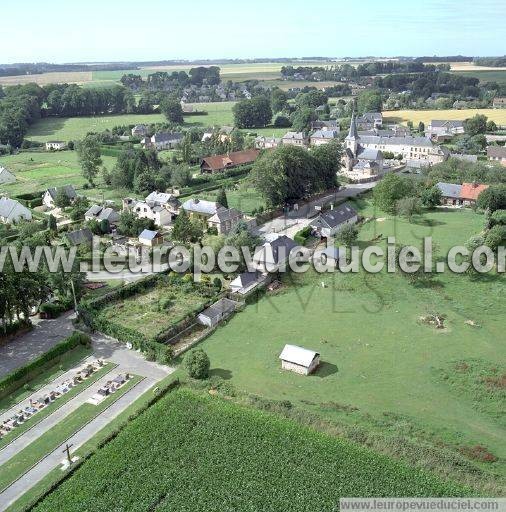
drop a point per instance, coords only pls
(243, 197)
(377, 355)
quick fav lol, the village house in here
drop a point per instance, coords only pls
(224, 133)
(246, 282)
(267, 142)
(470, 192)
(99, 213)
(466, 158)
(6, 177)
(295, 139)
(274, 255)
(328, 223)
(323, 137)
(450, 193)
(12, 212)
(139, 130)
(224, 220)
(499, 102)
(441, 130)
(497, 154)
(200, 208)
(79, 237)
(162, 140)
(369, 121)
(160, 207)
(55, 145)
(332, 125)
(219, 163)
(219, 311)
(299, 360)
(51, 193)
(150, 238)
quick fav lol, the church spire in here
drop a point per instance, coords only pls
(353, 134)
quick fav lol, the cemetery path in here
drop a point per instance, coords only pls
(53, 459)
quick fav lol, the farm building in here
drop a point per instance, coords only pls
(6, 177)
(12, 211)
(55, 145)
(328, 223)
(246, 282)
(299, 360)
(214, 314)
(50, 195)
(470, 192)
(218, 163)
(150, 238)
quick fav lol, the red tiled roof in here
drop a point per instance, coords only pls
(472, 190)
(218, 162)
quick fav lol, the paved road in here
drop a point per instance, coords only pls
(54, 459)
(23, 349)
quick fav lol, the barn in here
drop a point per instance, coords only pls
(299, 360)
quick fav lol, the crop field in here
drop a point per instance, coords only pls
(191, 436)
(37, 171)
(69, 77)
(395, 116)
(490, 75)
(152, 312)
(377, 354)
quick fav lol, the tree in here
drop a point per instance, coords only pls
(105, 226)
(172, 110)
(197, 364)
(431, 197)
(408, 206)
(61, 199)
(88, 153)
(491, 126)
(311, 99)
(221, 198)
(252, 113)
(328, 161)
(493, 198)
(51, 223)
(476, 125)
(369, 100)
(302, 119)
(279, 100)
(495, 237)
(241, 236)
(186, 230)
(347, 235)
(79, 208)
(282, 122)
(421, 127)
(390, 189)
(180, 176)
(131, 225)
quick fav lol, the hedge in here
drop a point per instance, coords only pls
(302, 236)
(30, 200)
(55, 309)
(19, 377)
(14, 327)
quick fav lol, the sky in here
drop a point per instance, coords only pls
(131, 30)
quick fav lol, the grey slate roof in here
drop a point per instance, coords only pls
(224, 214)
(219, 308)
(294, 136)
(10, 206)
(167, 137)
(147, 234)
(67, 189)
(449, 189)
(369, 154)
(446, 123)
(80, 236)
(246, 278)
(6, 176)
(352, 133)
(331, 124)
(282, 242)
(325, 134)
(200, 206)
(335, 217)
(408, 140)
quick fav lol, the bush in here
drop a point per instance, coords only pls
(302, 236)
(197, 364)
(54, 309)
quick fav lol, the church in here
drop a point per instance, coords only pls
(364, 154)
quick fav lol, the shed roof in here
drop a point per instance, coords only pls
(449, 189)
(219, 308)
(298, 355)
(147, 234)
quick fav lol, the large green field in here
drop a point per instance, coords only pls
(36, 171)
(486, 76)
(203, 453)
(242, 196)
(377, 355)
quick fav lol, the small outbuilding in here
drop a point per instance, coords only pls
(299, 360)
(150, 238)
(214, 314)
(6, 177)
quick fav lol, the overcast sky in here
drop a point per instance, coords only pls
(113, 30)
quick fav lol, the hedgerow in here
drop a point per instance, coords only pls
(203, 453)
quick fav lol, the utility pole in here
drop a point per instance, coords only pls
(74, 294)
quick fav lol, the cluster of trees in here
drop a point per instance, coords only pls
(455, 170)
(162, 80)
(69, 100)
(21, 291)
(422, 85)
(495, 62)
(348, 71)
(290, 173)
(253, 113)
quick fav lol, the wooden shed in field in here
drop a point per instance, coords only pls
(299, 360)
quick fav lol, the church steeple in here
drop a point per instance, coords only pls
(352, 139)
